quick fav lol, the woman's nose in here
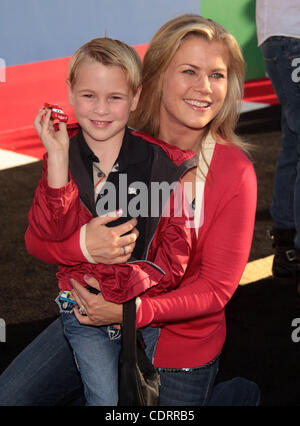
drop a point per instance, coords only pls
(203, 84)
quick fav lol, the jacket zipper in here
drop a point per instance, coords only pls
(181, 174)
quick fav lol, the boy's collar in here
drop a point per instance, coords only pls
(131, 152)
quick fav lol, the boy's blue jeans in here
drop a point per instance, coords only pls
(282, 61)
(44, 374)
(96, 352)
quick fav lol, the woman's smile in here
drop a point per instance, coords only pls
(198, 105)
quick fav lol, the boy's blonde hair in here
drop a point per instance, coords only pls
(159, 54)
(112, 53)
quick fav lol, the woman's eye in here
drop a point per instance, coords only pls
(217, 75)
(116, 98)
(88, 95)
(189, 71)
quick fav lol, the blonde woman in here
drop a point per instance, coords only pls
(192, 87)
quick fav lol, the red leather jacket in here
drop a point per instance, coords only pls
(58, 213)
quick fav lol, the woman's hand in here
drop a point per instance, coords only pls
(98, 311)
(109, 245)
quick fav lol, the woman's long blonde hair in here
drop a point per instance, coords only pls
(159, 54)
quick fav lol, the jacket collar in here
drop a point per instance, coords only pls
(177, 155)
(130, 152)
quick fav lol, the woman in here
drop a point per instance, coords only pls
(193, 78)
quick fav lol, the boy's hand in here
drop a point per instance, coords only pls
(57, 146)
(55, 142)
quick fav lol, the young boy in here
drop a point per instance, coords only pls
(101, 159)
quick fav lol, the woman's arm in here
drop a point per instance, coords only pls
(224, 255)
(67, 252)
(104, 244)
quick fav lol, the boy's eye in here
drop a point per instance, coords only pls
(87, 95)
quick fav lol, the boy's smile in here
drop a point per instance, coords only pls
(101, 124)
(102, 101)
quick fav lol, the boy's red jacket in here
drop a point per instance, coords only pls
(57, 213)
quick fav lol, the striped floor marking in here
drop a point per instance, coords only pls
(257, 270)
(9, 159)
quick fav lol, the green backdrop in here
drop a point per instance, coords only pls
(238, 17)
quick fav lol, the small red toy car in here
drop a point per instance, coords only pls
(56, 113)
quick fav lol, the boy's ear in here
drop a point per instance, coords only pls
(70, 93)
(135, 99)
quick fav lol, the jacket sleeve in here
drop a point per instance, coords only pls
(67, 252)
(54, 214)
(224, 254)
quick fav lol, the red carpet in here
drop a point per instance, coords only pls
(260, 91)
(28, 86)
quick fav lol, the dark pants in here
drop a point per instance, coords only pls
(281, 56)
(45, 374)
